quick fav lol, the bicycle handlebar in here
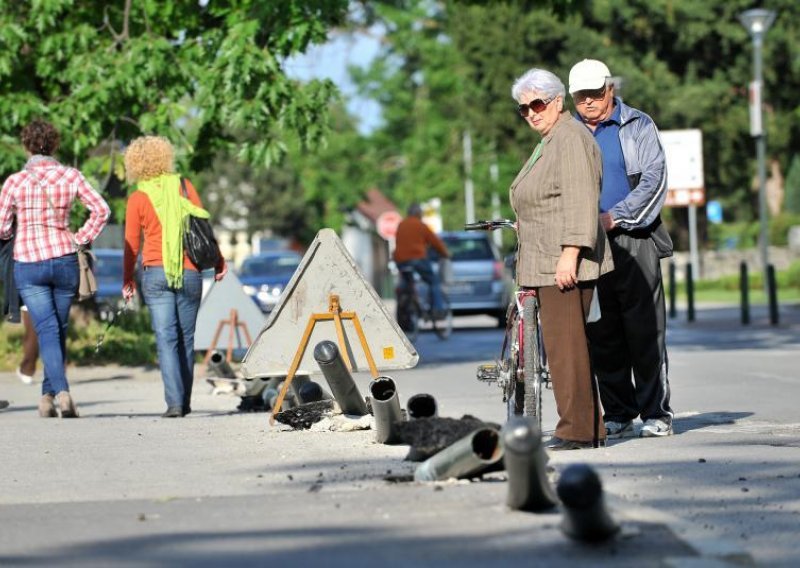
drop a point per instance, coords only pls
(490, 225)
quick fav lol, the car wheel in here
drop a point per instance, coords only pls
(502, 318)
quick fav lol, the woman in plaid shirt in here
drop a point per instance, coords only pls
(46, 266)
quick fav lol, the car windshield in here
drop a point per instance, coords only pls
(108, 266)
(270, 265)
(468, 248)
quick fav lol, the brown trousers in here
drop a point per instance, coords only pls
(563, 316)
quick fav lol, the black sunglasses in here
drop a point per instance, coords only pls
(536, 105)
(589, 94)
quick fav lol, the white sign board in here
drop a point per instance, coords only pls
(685, 178)
(219, 298)
(327, 268)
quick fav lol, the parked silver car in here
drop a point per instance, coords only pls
(480, 282)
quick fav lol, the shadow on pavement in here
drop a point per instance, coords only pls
(357, 546)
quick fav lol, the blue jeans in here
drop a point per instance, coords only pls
(424, 268)
(47, 288)
(173, 314)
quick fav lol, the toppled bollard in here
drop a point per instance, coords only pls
(525, 459)
(310, 392)
(220, 367)
(342, 385)
(305, 390)
(585, 514)
(429, 436)
(468, 457)
(421, 406)
(386, 409)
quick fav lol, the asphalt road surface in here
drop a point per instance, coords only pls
(122, 486)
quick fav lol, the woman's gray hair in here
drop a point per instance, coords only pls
(539, 81)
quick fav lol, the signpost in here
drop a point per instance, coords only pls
(386, 224)
(685, 179)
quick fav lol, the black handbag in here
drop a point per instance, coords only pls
(199, 241)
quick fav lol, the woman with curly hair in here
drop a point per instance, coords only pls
(46, 265)
(171, 284)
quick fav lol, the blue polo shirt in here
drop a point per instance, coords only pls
(615, 186)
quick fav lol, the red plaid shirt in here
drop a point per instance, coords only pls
(42, 227)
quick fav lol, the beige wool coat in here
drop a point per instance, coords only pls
(556, 201)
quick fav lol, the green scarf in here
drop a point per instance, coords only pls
(172, 210)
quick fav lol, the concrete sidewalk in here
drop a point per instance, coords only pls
(122, 486)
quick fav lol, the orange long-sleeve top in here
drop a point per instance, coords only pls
(412, 239)
(141, 219)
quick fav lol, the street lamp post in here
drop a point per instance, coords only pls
(757, 22)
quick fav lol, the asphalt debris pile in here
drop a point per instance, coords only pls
(303, 416)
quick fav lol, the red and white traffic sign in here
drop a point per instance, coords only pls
(387, 223)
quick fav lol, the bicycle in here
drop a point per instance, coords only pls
(411, 310)
(521, 369)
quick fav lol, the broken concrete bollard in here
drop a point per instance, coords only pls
(421, 406)
(341, 382)
(467, 457)
(386, 409)
(220, 367)
(585, 514)
(525, 459)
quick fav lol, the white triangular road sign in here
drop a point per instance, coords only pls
(327, 268)
(217, 303)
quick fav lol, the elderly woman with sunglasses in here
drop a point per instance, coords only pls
(562, 249)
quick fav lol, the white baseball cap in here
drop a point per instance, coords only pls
(588, 74)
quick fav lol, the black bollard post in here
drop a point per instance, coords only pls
(585, 514)
(220, 367)
(466, 457)
(386, 409)
(744, 288)
(525, 460)
(772, 293)
(689, 293)
(673, 291)
(341, 382)
(421, 406)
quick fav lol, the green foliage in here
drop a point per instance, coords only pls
(784, 280)
(779, 226)
(112, 71)
(130, 341)
(448, 66)
(744, 235)
(791, 201)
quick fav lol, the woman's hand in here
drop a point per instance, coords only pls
(567, 268)
(128, 290)
(220, 271)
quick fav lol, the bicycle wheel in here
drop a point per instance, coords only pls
(532, 363)
(444, 327)
(412, 319)
(512, 389)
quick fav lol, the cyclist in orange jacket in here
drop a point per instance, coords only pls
(411, 250)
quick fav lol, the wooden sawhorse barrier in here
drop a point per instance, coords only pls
(234, 324)
(336, 314)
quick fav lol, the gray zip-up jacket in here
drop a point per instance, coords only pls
(646, 168)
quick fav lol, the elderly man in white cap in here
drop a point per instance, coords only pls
(628, 343)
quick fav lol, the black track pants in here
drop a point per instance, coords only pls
(628, 343)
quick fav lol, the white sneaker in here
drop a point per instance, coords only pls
(616, 430)
(655, 428)
(27, 379)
